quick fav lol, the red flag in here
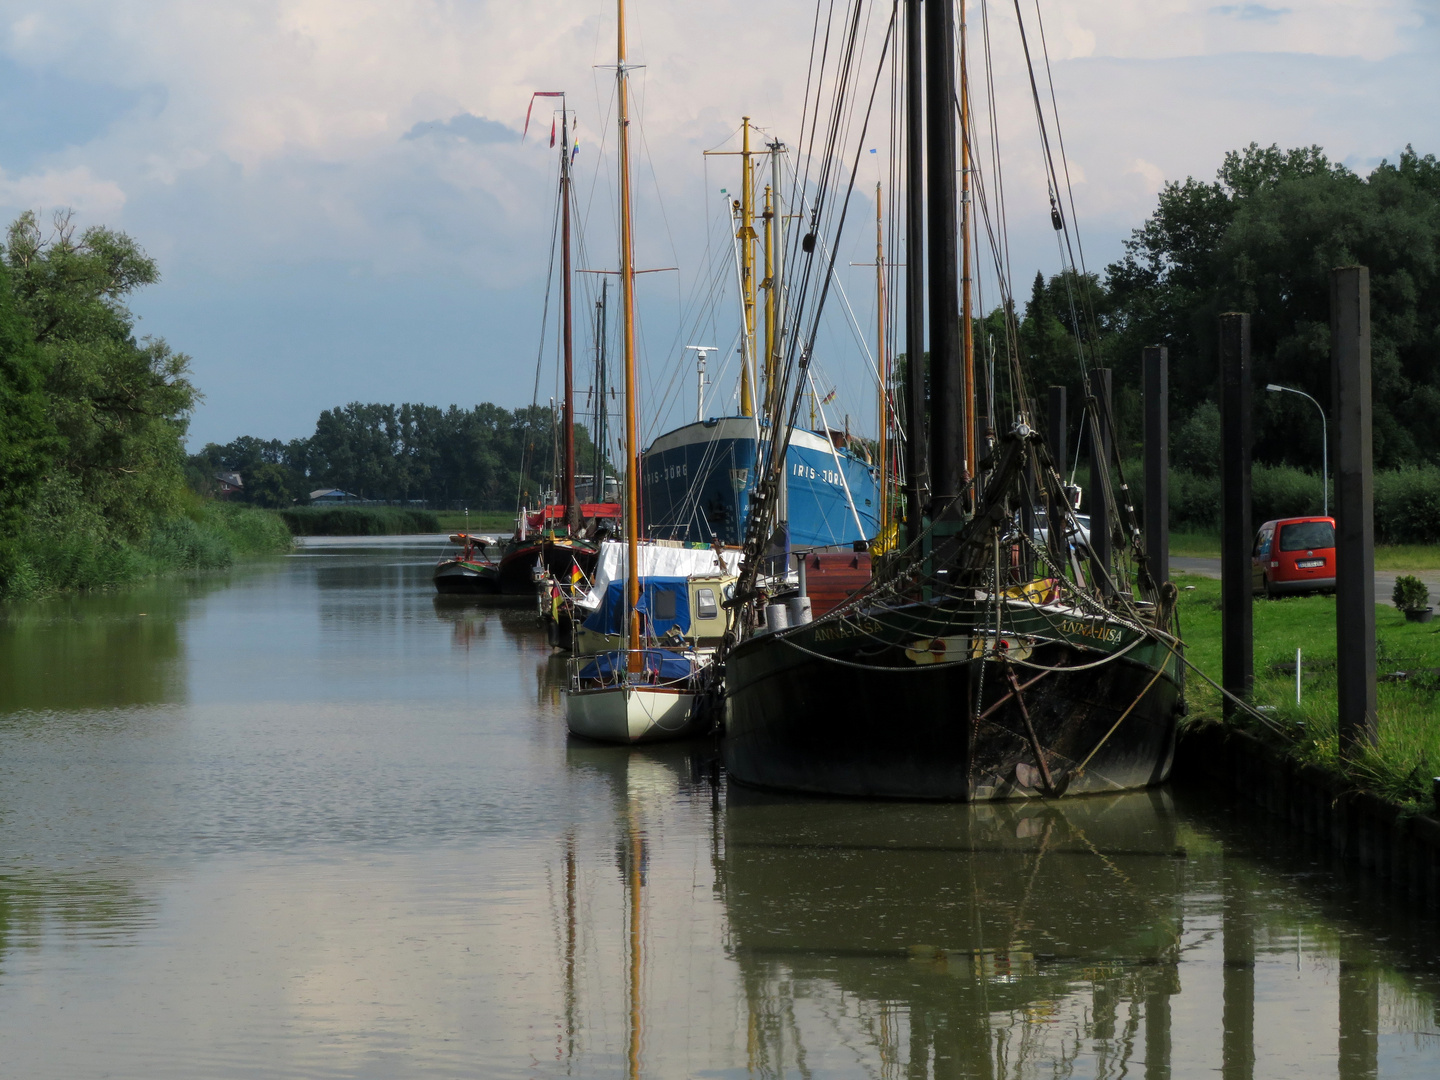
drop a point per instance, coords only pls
(552, 134)
(539, 93)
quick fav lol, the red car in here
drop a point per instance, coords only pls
(1294, 555)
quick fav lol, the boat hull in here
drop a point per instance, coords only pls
(697, 482)
(630, 714)
(855, 716)
(558, 558)
(458, 578)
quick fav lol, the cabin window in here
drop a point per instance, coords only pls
(705, 602)
(664, 605)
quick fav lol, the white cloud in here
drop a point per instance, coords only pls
(77, 188)
(270, 136)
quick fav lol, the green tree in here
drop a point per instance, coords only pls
(119, 406)
(1263, 238)
(27, 437)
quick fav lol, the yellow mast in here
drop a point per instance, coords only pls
(627, 302)
(770, 285)
(746, 235)
(967, 326)
(883, 364)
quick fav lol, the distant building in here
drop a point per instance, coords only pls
(329, 496)
(228, 483)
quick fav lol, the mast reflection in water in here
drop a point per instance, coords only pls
(302, 821)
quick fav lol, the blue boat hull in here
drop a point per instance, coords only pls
(696, 484)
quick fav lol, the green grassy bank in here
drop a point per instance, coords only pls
(70, 554)
(359, 521)
(1407, 755)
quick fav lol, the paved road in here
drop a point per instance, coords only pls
(1384, 579)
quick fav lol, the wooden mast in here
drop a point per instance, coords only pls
(746, 234)
(883, 365)
(572, 511)
(627, 303)
(770, 285)
(916, 475)
(967, 325)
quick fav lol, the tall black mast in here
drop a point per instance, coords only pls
(915, 441)
(947, 404)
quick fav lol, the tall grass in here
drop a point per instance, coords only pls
(1407, 752)
(359, 521)
(71, 548)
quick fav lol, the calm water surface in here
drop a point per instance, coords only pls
(308, 821)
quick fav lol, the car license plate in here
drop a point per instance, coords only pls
(1309, 564)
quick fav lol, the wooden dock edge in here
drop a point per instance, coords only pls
(1392, 844)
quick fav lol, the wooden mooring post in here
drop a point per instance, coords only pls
(1099, 465)
(1237, 646)
(1156, 362)
(1057, 430)
(1354, 506)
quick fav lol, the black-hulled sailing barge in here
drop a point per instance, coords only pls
(979, 663)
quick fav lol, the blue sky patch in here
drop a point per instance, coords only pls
(471, 128)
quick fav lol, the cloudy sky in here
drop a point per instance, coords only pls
(342, 208)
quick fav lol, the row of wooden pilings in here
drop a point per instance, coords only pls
(1399, 849)
(1354, 495)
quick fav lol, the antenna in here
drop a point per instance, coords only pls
(702, 353)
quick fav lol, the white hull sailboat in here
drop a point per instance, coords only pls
(632, 694)
(631, 714)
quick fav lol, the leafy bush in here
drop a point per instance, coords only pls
(359, 521)
(1196, 442)
(1194, 500)
(1407, 506)
(1407, 501)
(1410, 594)
(1278, 491)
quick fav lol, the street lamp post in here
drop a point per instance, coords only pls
(1324, 441)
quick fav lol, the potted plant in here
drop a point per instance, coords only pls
(1413, 598)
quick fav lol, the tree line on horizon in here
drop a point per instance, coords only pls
(486, 457)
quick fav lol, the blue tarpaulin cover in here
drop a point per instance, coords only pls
(667, 596)
(667, 666)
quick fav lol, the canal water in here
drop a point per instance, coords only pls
(306, 820)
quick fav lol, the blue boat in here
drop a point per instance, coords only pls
(696, 483)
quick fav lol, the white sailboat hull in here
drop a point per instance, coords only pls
(631, 714)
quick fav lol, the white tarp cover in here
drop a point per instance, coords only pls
(656, 560)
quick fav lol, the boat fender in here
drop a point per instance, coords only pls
(776, 617)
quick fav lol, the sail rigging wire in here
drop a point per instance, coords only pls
(820, 204)
(1074, 220)
(835, 454)
(1102, 416)
(798, 351)
(529, 444)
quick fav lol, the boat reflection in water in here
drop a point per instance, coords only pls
(651, 790)
(978, 940)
